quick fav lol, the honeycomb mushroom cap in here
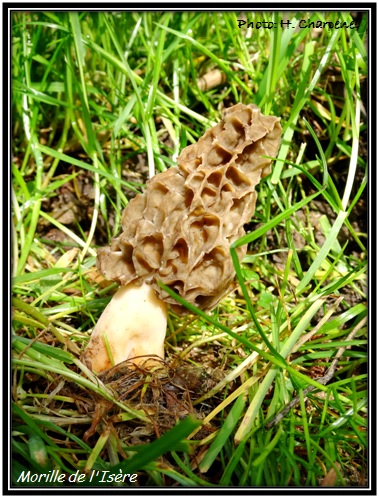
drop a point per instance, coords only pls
(180, 229)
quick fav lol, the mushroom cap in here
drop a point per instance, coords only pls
(180, 229)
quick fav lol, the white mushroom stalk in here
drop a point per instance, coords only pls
(179, 232)
(132, 326)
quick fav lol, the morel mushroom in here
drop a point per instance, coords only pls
(179, 232)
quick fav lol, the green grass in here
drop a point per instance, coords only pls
(103, 101)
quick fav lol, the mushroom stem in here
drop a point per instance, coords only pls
(134, 325)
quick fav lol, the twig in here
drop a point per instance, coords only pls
(322, 380)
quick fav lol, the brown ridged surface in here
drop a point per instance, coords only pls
(180, 229)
